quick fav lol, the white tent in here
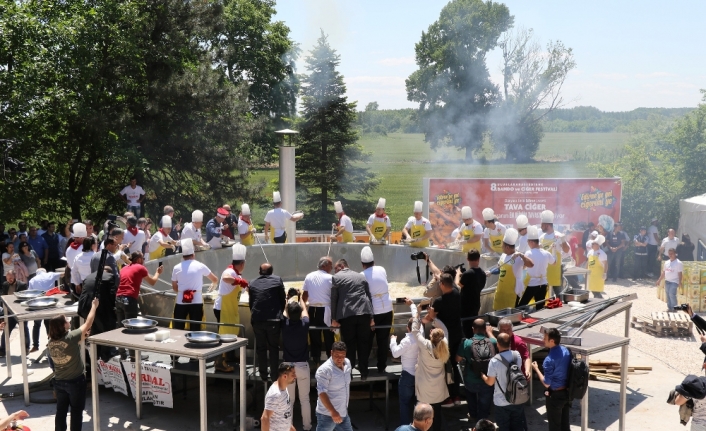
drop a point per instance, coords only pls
(692, 219)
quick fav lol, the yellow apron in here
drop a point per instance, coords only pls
(468, 234)
(159, 253)
(347, 236)
(418, 231)
(595, 274)
(505, 296)
(553, 270)
(230, 312)
(249, 240)
(496, 242)
(378, 229)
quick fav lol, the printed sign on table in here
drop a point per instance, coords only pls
(110, 374)
(156, 383)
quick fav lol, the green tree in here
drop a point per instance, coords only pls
(532, 83)
(97, 92)
(453, 86)
(328, 159)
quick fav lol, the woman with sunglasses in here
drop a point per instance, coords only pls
(69, 369)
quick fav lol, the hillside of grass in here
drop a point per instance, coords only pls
(402, 160)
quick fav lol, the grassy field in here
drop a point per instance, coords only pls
(401, 161)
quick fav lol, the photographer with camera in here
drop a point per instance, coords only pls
(470, 283)
(432, 290)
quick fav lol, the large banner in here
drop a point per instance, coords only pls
(156, 380)
(574, 201)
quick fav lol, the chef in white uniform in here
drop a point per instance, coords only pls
(521, 223)
(76, 247)
(276, 221)
(379, 225)
(344, 227)
(418, 228)
(193, 230)
(246, 230)
(382, 304)
(493, 233)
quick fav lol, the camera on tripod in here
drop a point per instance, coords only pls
(420, 255)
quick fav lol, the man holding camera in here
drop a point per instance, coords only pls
(470, 282)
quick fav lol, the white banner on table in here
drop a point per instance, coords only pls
(156, 383)
(110, 374)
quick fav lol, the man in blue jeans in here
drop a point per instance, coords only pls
(508, 417)
(672, 274)
(333, 384)
(409, 352)
(479, 396)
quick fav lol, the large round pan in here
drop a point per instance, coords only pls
(202, 337)
(42, 303)
(139, 324)
(25, 295)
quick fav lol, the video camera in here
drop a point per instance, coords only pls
(420, 255)
(460, 266)
(682, 307)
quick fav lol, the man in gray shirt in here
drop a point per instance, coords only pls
(352, 311)
(507, 416)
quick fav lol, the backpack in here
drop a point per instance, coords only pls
(482, 352)
(578, 378)
(517, 390)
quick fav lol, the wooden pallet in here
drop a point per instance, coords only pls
(663, 324)
(610, 371)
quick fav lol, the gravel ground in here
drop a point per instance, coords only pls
(679, 353)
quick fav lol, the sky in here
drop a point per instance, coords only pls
(629, 53)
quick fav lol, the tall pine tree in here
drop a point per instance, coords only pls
(329, 157)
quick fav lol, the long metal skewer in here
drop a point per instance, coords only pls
(333, 226)
(261, 248)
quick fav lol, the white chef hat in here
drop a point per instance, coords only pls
(600, 239)
(187, 246)
(488, 214)
(521, 221)
(239, 252)
(80, 230)
(366, 255)
(466, 213)
(547, 216)
(197, 216)
(532, 233)
(381, 203)
(276, 197)
(166, 221)
(510, 237)
(338, 207)
(245, 209)
(417, 206)
(594, 233)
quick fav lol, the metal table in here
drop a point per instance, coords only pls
(591, 342)
(122, 339)
(23, 314)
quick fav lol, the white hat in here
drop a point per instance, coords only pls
(532, 233)
(196, 216)
(80, 230)
(239, 252)
(510, 237)
(547, 216)
(338, 207)
(488, 214)
(466, 213)
(276, 197)
(589, 243)
(594, 233)
(245, 209)
(381, 203)
(366, 255)
(417, 206)
(166, 221)
(187, 247)
(521, 221)
(600, 239)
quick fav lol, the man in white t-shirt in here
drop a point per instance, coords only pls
(507, 416)
(317, 293)
(277, 415)
(133, 236)
(187, 282)
(382, 304)
(671, 241)
(276, 219)
(672, 272)
(133, 195)
(653, 242)
(193, 230)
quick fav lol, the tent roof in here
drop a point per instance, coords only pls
(699, 200)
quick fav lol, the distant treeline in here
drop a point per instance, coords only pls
(579, 119)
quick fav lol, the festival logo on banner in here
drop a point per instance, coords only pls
(596, 199)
